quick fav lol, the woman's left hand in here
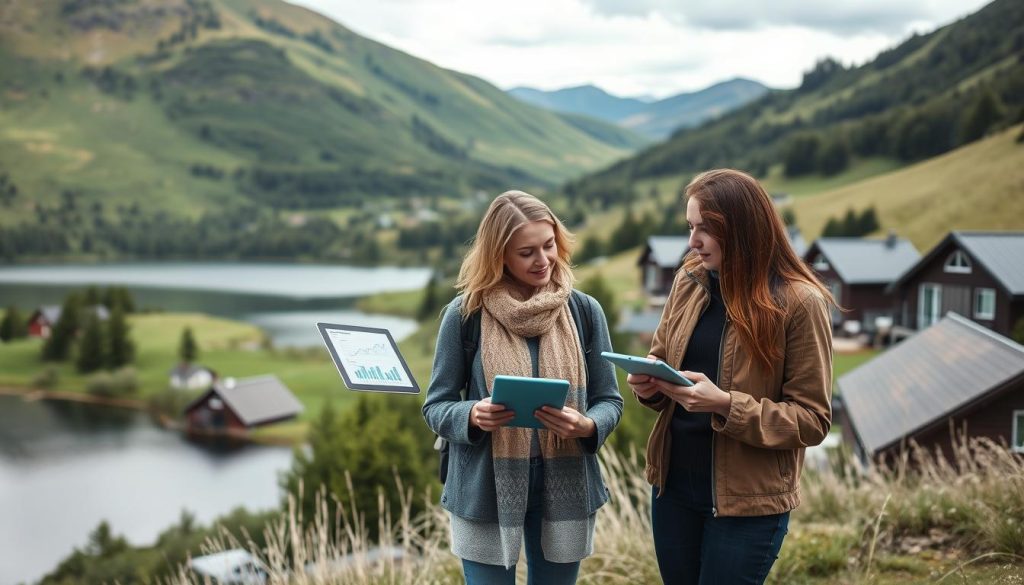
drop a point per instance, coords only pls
(703, 396)
(567, 423)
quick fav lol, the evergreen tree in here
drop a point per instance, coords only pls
(801, 155)
(850, 223)
(13, 325)
(625, 236)
(982, 115)
(835, 157)
(789, 216)
(91, 354)
(833, 229)
(122, 348)
(592, 248)
(188, 349)
(374, 440)
(91, 297)
(62, 334)
(429, 306)
(597, 287)
(868, 222)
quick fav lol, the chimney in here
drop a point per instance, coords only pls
(890, 240)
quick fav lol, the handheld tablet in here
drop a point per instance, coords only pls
(367, 358)
(641, 365)
(525, 395)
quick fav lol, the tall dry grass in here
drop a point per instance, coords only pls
(850, 519)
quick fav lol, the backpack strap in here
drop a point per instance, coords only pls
(470, 343)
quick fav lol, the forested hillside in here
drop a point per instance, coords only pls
(928, 95)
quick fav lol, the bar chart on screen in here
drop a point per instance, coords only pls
(369, 358)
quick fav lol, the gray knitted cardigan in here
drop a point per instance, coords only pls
(470, 493)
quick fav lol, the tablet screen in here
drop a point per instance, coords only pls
(367, 358)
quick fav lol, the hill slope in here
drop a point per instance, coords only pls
(979, 186)
(188, 105)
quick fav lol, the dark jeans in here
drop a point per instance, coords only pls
(695, 547)
(540, 571)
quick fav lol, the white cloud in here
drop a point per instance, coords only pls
(632, 47)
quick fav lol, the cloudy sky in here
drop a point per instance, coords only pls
(640, 47)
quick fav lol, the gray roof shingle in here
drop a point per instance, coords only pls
(864, 261)
(260, 399)
(1002, 253)
(926, 378)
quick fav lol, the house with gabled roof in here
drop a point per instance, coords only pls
(662, 256)
(979, 275)
(236, 406)
(857, 272)
(954, 375)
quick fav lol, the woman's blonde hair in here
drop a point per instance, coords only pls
(484, 264)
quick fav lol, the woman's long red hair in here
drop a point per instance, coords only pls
(757, 258)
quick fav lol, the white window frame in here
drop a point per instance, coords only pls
(1017, 431)
(821, 263)
(935, 314)
(978, 313)
(958, 263)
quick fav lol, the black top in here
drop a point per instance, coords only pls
(690, 470)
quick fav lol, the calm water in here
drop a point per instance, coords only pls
(64, 467)
(285, 300)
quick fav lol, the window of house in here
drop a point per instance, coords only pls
(820, 263)
(985, 303)
(959, 263)
(1017, 441)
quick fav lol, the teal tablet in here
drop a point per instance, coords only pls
(651, 367)
(526, 395)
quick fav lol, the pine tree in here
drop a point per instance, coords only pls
(91, 354)
(188, 350)
(121, 347)
(62, 335)
(429, 305)
(13, 325)
(981, 116)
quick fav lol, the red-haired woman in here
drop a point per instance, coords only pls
(749, 323)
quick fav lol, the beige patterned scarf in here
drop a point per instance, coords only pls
(507, 319)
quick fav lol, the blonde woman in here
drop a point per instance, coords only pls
(507, 485)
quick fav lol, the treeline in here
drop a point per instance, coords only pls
(913, 102)
(852, 225)
(240, 232)
(92, 329)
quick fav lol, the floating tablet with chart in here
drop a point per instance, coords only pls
(367, 358)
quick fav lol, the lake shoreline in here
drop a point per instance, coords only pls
(32, 394)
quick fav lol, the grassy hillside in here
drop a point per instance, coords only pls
(978, 186)
(198, 104)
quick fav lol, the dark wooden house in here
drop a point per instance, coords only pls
(955, 374)
(857, 271)
(979, 275)
(236, 406)
(662, 256)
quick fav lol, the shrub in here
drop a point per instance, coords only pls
(46, 378)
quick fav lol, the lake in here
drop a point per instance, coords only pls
(285, 300)
(65, 466)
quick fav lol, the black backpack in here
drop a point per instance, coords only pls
(580, 310)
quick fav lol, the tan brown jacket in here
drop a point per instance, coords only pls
(759, 448)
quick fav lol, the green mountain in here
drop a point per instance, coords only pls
(930, 94)
(187, 106)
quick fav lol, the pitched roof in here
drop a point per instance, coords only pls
(667, 251)
(926, 378)
(868, 261)
(259, 400)
(1002, 253)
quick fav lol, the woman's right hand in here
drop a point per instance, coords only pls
(488, 417)
(642, 384)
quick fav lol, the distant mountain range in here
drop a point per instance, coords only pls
(656, 119)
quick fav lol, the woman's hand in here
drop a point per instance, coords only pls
(567, 423)
(643, 385)
(703, 396)
(487, 416)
